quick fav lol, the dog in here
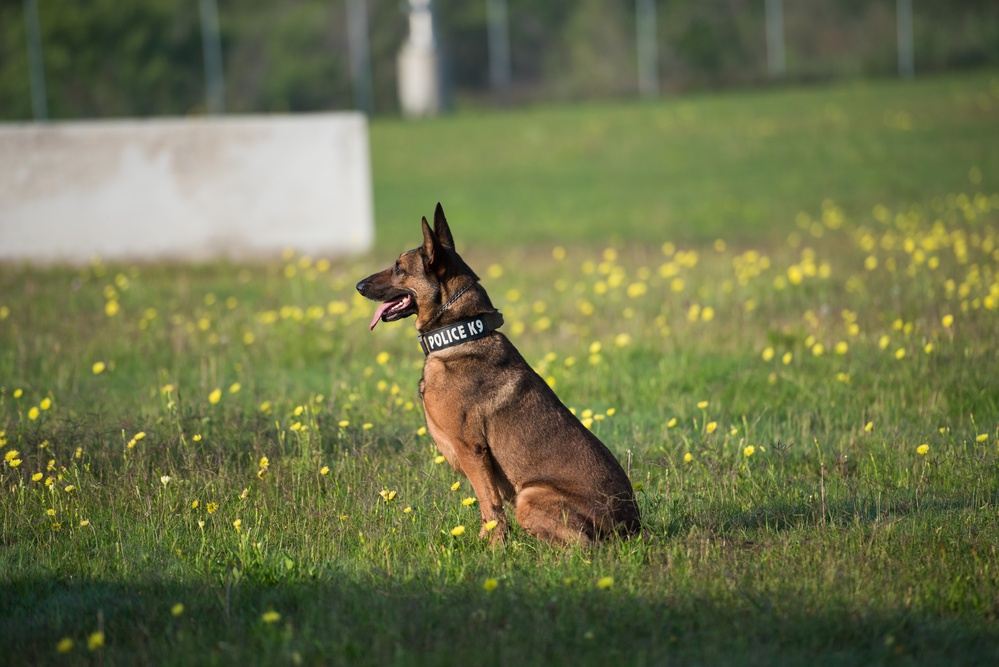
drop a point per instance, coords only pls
(493, 418)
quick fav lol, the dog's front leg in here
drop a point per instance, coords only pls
(477, 463)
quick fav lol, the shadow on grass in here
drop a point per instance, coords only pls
(384, 621)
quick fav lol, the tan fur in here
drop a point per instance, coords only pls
(494, 419)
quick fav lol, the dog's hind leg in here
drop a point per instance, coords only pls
(544, 513)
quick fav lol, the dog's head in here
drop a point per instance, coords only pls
(420, 279)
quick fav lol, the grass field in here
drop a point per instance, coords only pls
(792, 348)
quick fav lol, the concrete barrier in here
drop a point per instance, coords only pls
(187, 189)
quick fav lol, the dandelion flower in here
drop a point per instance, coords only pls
(387, 495)
(947, 320)
(33, 413)
(325, 470)
(65, 645)
(382, 358)
(84, 523)
(868, 427)
(237, 524)
(456, 486)
(468, 501)
(69, 488)
(270, 617)
(45, 403)
(982, 437)
(194, 504)
(605, 582)
(489, 525)
(234, 388)
(786, 359)
(458, 531)
(702, 404)
(768, 354)
(922, 449)
(748, 451)
(177, 609)
(421, 431)
(215, 396)
(688, 457)
(842, 347)
(367, 426)
(211, 508)
(11, 455)
(343, 423)
(490, 584)
(710, 428)
(18, 393)
(37, 477)
(407, 510)
(95, 640)
(671, 423)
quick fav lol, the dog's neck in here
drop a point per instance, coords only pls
(460, 331)
(469, 301)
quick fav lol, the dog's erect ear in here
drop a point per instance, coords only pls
(432, 248)
(441, 229)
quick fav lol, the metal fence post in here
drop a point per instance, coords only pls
(360, 55)
(212, 45)
(648, 48)
(903, 14)
(36, 66)
(776, 61)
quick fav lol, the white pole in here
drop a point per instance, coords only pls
(212, 45)
(776, 62)
(499, 47)
(903, 13)
(36, 66)
(360, 55)
(648, 48)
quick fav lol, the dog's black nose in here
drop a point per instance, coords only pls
(361, 285)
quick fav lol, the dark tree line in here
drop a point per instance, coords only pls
(106, 58)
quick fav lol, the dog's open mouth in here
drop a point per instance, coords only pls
(395, 308)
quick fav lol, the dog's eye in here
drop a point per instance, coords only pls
(397, 269)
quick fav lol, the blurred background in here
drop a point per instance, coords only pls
(111, 58)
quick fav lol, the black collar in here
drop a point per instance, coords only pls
(462, 331)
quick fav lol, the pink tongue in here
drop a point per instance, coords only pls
(381, 310)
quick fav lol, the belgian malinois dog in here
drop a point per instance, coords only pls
(493, 418)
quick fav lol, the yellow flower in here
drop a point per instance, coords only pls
(367, 426)
(95, 640)
(344, 423)
(786, 359)
(947, 320)
(196, 437)
(265, 406)
(18, 393)
(11, 455)
(702, 404)
(84, 523)
(456, 486)
(65, 645)
(33, 413)
(900, 353)
(710, 428)
(490, 584)
(468, 501)
(671, 423)
(177, 609)
(407, 509)
(237, 524)
(211, 507)
(605, 582)
(50, 512)
(982, 437)
(69, 488)
(868, 427)
(688, 457)
(439, 459)
(139, 436)
(111, 308)
(489, 525)
(382, 358)
(264, 462)
(818, 349)
(37, 477)
(458, 530)
(768, 354)
(748, 451)
(387, 495)
(325, 470)
(922, 449)
(234, 388)
(215, 396)
(611, 411)
(421, 431)
(842, 347)
(194, 504)
(45, 403)
(270, 617)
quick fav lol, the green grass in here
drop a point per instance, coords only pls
(833, 541)
(739, 165)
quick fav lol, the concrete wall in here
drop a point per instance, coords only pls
(189, 189)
